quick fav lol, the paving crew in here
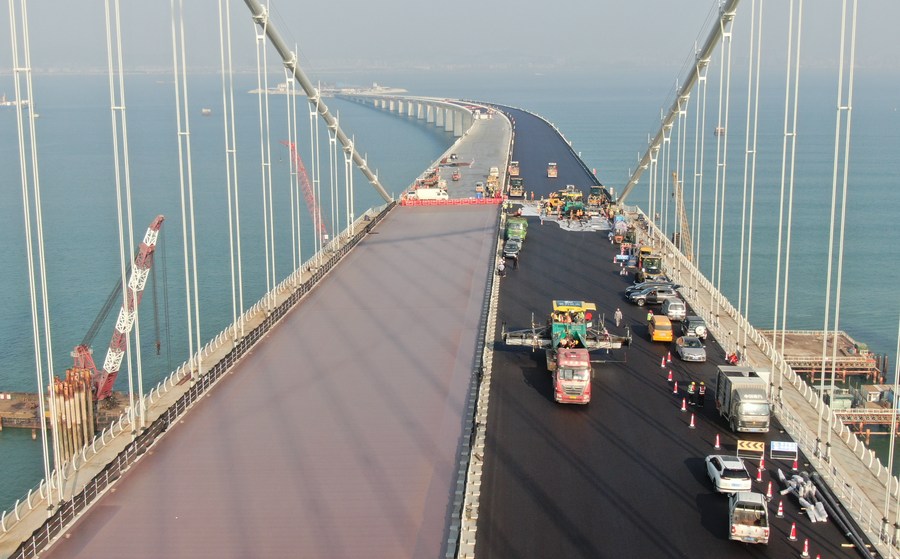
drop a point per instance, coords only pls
(701, 394)
(692, 393)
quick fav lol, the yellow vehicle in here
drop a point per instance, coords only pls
(552, 171)
(660, 329)
(562, 196)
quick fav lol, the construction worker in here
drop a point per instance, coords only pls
(692, 393)
(618, 316)
(649, 316)
(701, 394)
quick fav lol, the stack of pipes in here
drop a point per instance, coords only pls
(74, 412)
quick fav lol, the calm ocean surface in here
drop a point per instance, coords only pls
(606, 117)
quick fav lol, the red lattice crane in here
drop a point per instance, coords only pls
(308, 193)
(104, 379)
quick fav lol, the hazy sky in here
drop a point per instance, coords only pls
(589, 34)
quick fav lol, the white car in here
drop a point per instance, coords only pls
(728, 473)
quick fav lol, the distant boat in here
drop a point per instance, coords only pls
(205, 111)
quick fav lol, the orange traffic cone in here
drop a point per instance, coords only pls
(793, 535)
(662, 362)
(769, 491)
(684, 404)
(762, 462)
(692, 425)
(670, 376)
(805, 548)
(675, 388)
(759, 475)
(794, 467)
(780, 513)
(718, 445)
(669, 357)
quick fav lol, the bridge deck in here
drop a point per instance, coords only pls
(337, 437)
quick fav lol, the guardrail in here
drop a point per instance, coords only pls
(291, 289)
(864, 511)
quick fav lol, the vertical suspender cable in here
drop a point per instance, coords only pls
(784, 164)
(332, 179)
(790, 165)
(665, 173)
(845, 110)
(348, 178)
(262, 85)
(750, 168)
(722, 155)
(28, 167)
(188, 222)
(701, 69)
(115, 68)
(292, 165)
(318, 182)
(231, 174)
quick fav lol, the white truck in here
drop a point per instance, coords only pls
(429, 194)
(748, 517)
(742, 398)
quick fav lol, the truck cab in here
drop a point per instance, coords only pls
(748, 517)
(513, 168)
(552, 170)
(742, 398)
(571, 376)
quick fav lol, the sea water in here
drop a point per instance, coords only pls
(606, 117)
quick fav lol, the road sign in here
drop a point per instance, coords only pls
(751, 449)
(783, 450)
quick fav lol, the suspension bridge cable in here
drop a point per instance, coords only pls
(28, 168)
(790, 180)
(292, 166)
(262, 86)
(115, 65)
(231, 168)
(779, 287)
(188, 221)
(701, 69)
(751, 144)
(845, 110)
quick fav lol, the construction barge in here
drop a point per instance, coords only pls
(20, 410)
(803, 352)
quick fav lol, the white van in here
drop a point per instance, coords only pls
(675, 309)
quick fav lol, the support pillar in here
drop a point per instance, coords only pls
(448, 119)
(420, 110)
(457, 123)
(439, 116)
(429, 113)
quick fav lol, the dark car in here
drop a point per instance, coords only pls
(646, 284)
(652, 296)
(694, 326)
(511, 248)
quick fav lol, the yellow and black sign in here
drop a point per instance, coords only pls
(751, 449)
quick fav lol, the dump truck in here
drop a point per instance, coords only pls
(552, 170)
(650, 266)
(748, 517)
(513, 168)
(742, 398)
(516, 186)
(516, 228)
(567, 338)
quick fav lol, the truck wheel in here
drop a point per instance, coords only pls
(733, 426)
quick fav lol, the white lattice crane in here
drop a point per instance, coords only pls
(104, 379)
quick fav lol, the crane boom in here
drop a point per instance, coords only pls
(104, 379)
(308, 194)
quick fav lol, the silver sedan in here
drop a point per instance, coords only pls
(690, 348)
